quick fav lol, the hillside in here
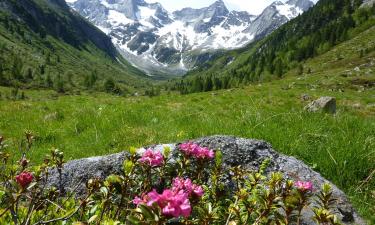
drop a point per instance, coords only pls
(313, 33)
(340, 147)
(43, 44)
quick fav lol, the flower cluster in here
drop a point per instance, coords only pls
(173, 202)
(187, 186)
(304, 186)
(24, 179)
(192, 149)
(152, 158)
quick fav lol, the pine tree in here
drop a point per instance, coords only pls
(48, 81)
(109, 85)
(300, 69)
(17, 68)
(42, 69)
(2, 75)
(29, 74)
(279, 70)
(59, 84)
(69, 77)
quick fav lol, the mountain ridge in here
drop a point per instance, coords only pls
(162, 42)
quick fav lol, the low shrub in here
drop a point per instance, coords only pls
(192, 187)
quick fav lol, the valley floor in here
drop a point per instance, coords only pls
(341, 146)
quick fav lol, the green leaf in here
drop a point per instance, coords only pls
(133, 220)
(218, 158)
(147, 213)
(92, 219)
(104, 191)
(128, 167)
(93, 209)
(166, 152)
(133, 150)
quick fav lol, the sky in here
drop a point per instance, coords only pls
(252, 6)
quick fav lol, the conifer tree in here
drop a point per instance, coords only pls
(48, 81)
(109, 85)
(17, 68)
(59, 84)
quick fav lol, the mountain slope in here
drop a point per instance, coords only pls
(327, 24)
(43, 43)
(162, 42)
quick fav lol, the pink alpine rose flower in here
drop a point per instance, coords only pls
(194, 150)
(171, 203)
(198, 190)
(304, 185)
(187, 186)
(152, 158)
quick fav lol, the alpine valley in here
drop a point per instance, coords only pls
(171, 43)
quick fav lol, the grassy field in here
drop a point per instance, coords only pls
(341, 146)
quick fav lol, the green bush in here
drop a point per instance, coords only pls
(153, 189)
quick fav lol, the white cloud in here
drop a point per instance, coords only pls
(252, 6)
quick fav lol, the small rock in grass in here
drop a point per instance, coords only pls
(357, 106)
(305, 97)
(325, 104)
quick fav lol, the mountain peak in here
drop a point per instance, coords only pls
(219, 4)
(159, 41)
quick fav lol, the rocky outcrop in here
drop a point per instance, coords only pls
(325, 104)
(236, 151)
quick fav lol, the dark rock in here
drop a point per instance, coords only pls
(305, 97)
(236, 151)
(325, 104)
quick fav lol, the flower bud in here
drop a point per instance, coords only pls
(24, 179)
(24, 162)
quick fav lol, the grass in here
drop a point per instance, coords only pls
(341, 147)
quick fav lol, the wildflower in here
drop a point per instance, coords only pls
(137, 200)
(192, 149)
(187, 186)
(174, 204)
(24, 179)
(304, 186)
(198, 190)
(151, 158)
(171, 203)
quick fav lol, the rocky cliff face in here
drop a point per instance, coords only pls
(236, 151)
(162, 42)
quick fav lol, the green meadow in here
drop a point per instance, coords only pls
(341, 147)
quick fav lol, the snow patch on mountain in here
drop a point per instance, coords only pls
(289, 11)
(117, 18)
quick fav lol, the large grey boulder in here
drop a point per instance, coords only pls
(325, 104)
(236, 151)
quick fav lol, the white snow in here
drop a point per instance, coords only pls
(70, 1)
(115, 18)
(145, 12)
(206, 20)
(104, 29)
(105, 3)
(289, 11)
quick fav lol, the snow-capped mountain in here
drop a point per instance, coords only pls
(162, 42)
